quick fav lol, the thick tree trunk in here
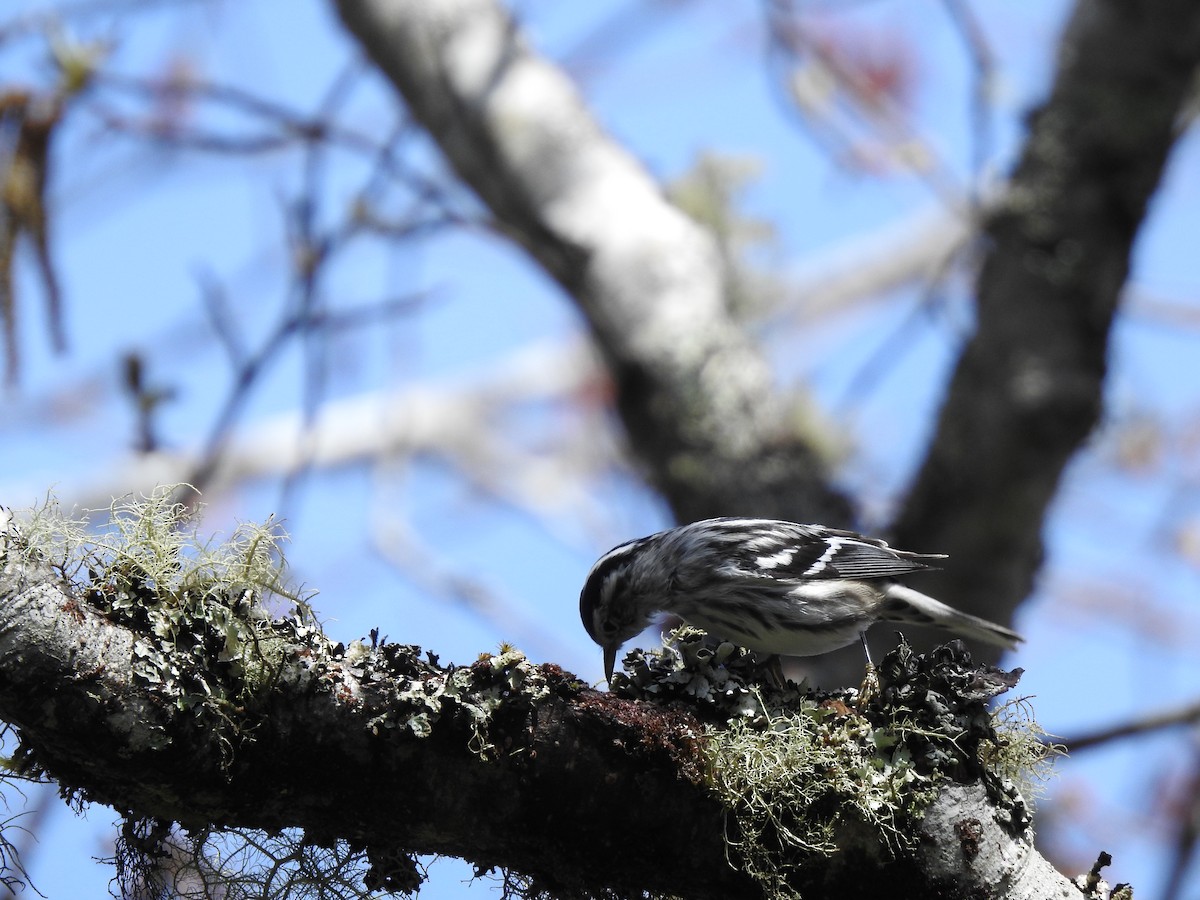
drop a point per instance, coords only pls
(695, 395)
(1028, 388)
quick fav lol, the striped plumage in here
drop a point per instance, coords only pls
(765, 584)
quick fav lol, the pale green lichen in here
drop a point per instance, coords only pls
(205, 636)
(205, 640)
(795, 784)
(1023, 758)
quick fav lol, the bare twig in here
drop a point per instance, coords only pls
(793, 46)
(1184, 715)
(982, 84)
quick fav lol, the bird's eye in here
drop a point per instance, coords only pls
(608, 627)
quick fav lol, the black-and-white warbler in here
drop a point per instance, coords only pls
(767, 585)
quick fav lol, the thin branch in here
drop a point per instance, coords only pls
(913, 249)
(1170, 718)
(891, 350)
(982, 86)
(215, 302)
(792, 47)
(462, 423)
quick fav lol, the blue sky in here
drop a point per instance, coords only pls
(134, 227)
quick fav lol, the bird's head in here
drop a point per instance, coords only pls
(612, 607)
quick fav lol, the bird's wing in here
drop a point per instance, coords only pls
(790, 551)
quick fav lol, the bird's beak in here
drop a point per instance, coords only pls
(610, 660)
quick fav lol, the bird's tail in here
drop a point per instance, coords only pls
(903, 604)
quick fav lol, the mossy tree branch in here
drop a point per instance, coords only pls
(501, 763)
(561, 782)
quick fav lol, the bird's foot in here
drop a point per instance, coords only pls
(869, 689)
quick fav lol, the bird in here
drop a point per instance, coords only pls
(768, 585)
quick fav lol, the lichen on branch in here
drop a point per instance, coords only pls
(200, 609)
(804, 774)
